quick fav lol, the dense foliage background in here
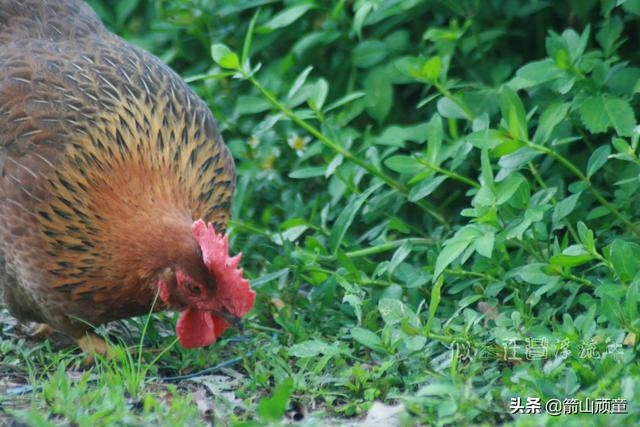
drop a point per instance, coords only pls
(437, 201)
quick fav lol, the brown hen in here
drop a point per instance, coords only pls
(114, 182)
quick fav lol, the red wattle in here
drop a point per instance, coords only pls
(198, 328)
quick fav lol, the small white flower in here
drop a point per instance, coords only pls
(269, 161)
(298, 143)
(253, 141)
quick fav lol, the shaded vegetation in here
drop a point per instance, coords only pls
(437, 201)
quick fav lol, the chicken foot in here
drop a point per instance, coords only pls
(41, 331)
(92, 345)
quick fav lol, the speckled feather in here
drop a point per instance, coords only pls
(102, 149)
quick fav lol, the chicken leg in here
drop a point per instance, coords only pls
(92, 345)
(41, 331)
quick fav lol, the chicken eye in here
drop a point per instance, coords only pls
(193, 288)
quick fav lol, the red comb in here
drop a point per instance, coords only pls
(233, 290)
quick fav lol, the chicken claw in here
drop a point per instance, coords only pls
(41, 331)
(93, 345)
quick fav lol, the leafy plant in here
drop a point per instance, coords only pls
(436, 199)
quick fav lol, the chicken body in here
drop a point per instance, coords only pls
(106, 159)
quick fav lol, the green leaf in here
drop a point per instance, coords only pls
(625, 258)
(485, 197)
(415, 343)
(104, 11)
(513, 113)
(224, 57)
(598, 158)
(484, 245)
(308, 172)
(399, 256)
(439, 34)
(439, 389)
(396, 136)
(318, 94)
(273, 408)
(535, 73)
(533, 274)
(450, 109)
(450, 252)
(507, 188)
(361, 16)
(434, 302)
(598, 113)
(391, 310)
(333, 165)
(251, 104)
(632, 299)
(507, 147)
(124, 9)
(344, 100)
(435, 135)
(565, 207)
(486, 138)
(586, 237)
(625, 81)
(611, 309)
(631, 6)
(356, 303)
(552, 116)
(425, 187)
(379, 90)
(486, 170)
(291, 234)
(369, 53)
(260, 281)
(562, 59)
(285, 18)
(454, 246)
(346, 217)
(367, 338)
(622, 146)
(299, 81)
(518, 158)
(248, 38)
(577, 44)
(609, 34)
(404, 164)
(429, 69)
(571, 257)
(310, 348)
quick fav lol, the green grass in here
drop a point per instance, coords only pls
(437, 202)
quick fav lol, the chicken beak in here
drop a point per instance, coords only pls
(234, 321)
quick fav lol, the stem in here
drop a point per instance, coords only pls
(554, 199)
(578, 279)
(449, 173)
(442, 338)
(577, 172)
(263, 328)
(248, 227)
(446, 92)
(386, 247)
(469, 274)
(162, 353)
(571, 276)
(144, 333)
(463, 273)
(430, 209)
